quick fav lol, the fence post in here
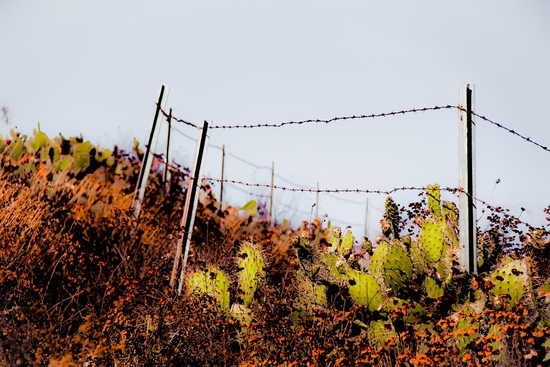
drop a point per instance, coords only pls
(168, 154)
(467, 178)
(223, 177)
(272, 191)
(191, 200)
(367, 219)
(148, 157)
(317, 200)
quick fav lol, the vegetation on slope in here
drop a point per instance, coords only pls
(84, 283)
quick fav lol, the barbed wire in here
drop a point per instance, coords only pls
(511, 131)
(319, 121)
(452, 190)
(373, 115)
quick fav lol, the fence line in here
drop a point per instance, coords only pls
(373, 115)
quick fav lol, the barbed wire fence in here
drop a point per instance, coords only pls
(468, 199)
(369, 116)
(332, 193)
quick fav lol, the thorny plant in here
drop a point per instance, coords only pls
(84, 283)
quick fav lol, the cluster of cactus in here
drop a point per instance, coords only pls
(375, 278)
(251, 267)
(72, 154)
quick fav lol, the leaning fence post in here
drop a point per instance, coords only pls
(467, 179)
(168, 154)
(148, 157)
(191, 200)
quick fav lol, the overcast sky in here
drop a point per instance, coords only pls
(96, 68)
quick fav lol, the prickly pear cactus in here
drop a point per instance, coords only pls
(213, 282)
(390, 222)
(364, 290)
(251, 266)
(81, 155)
(434, 200)
(511, 279)
(466, 329)
(392, 263)
(347, 244)
(433, 290)
(408, 311)
(432, 239)
(380, 331)
(310, 293)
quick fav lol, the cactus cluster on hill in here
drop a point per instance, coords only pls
(85, 282)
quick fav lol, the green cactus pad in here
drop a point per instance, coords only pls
(310, 293)
(450, 210)
(251, 265)
(467, 330)
(212, 282)
(39, 140)
(431, 239)
(347, 243)
(392, 263)
(81, 155)
(432, 289)
(380, 331)
(364, 290)
(330, 261)
(434, 200)
(510, 279)
(419, 257)
(409, 311)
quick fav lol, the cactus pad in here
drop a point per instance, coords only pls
(433, 290)
(251, 265)
(511, 279)
(434, 200)
(212, 282)
(392, 263)
(408, 311)
(431, 239)
(364, 290)
(310, 293)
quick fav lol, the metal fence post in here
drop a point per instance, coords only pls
(191, 201)
(223, 177)
(148, 157)
(168, 154)
(272, 192)
(467, 178)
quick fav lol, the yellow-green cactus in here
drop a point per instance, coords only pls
(251, 266)
(392, 263)
(213, 282)
(364, 290)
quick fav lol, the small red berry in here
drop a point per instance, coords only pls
(8, 141)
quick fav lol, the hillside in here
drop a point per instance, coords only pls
(84, 283)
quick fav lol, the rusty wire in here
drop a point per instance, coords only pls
(513, 132)
(373, 115)
(452, 190)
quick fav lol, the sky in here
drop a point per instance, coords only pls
(96, 68)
